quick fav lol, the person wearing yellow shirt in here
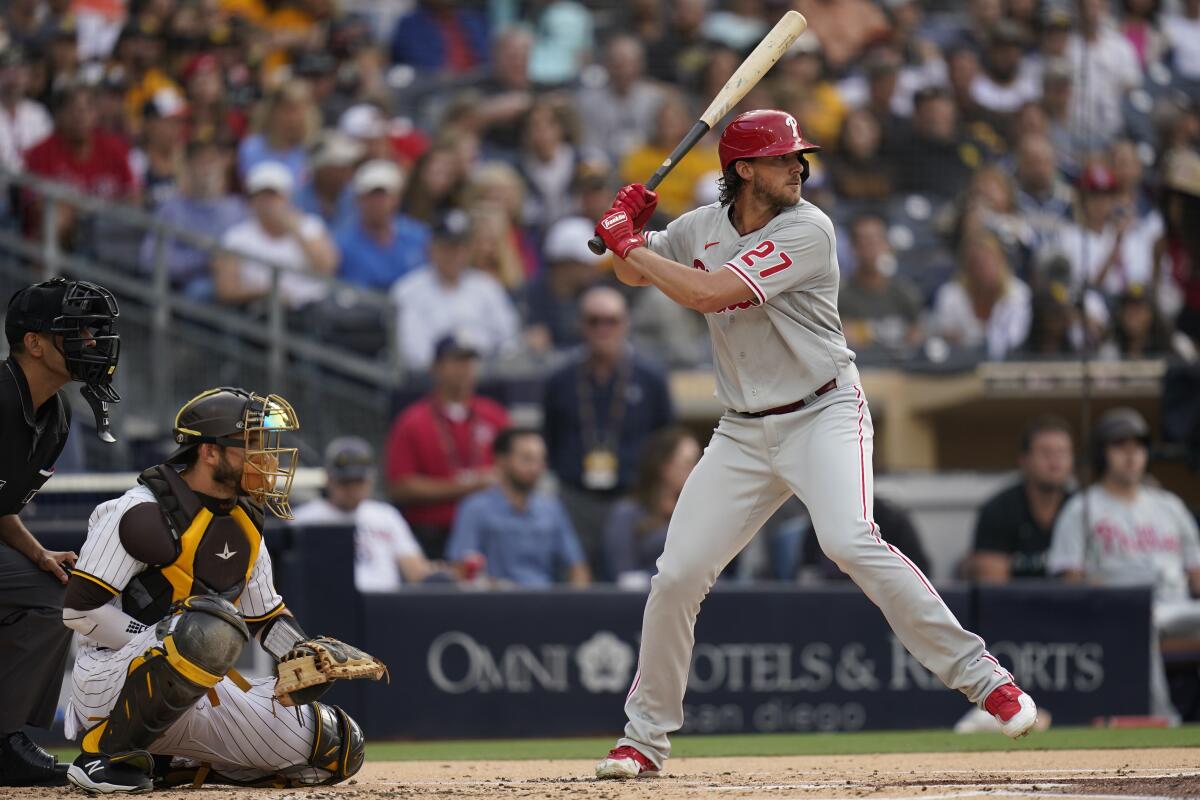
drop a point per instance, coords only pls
(677, 193)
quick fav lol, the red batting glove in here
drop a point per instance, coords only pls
(639, 201)
(616, 229)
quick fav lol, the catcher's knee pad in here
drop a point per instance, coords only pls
(205, 637)
(338, 744)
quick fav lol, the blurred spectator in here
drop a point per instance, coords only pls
(1111, 67)
(437, 36)
(436, 184)
(439, 449)
(496, 245)
(380, 245)
(1139, 25)
(986, 306)
(523, 537)
(937, 160)
(547, 161)
(981, 18)
(139, 51)
(386, 555)
(677, 336)
(894, 525)
(858, 168)
(880, 310)
(1121, 531)
(449, 295)
(739, 24)
(23, 122)
(61, 46)
(562, 40)
(327, 194)
(1182, 30)
(844, 27)
(1138, 330)
(806, 91)
(277, 235)
(1004, 85)
(1179, 248)
(990, 205)
(1108, 249)
(677, 193)
(1070, 143)
(1054, 329)
(599, 409)
(620, 114)
(1044, 199)
(508, 92)
(158, 164)
(203, 206)
(1128, 173)
(210, 114)
(964, 74)
(550, 302)
(882, 69)
(366, 125)
(499, 186)
(591, 189)
(284, 123)
(79, 154)
(637, 527)
(1012, 532)
(676, 54)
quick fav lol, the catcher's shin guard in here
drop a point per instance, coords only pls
(338, 744)
(205, 638)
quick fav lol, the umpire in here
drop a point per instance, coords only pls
(58, 331)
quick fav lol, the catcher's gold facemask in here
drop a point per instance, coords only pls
(269, 466)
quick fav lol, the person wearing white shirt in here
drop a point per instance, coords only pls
(1105, 67)
(449, 297)
(276, 234)
(23, 122)
(386, 555)
(1183, 34)
(987, 305)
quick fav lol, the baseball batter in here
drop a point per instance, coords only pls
(761, 265)
(172, 581)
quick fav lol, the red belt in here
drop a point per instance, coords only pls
(796, 406)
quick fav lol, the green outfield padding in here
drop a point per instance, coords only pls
(795, 744)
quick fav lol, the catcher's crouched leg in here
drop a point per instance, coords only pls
(338, 744)
(204, 638)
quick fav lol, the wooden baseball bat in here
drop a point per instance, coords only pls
(745, 78)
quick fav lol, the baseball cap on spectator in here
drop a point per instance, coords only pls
(454, 345)
(1058, 70)
(591, 173)
(349, 459)
(314, 64)
(363, 121)
(12, 56)
(1181, 171)
(1006, 32)
(378, 174)
(1057, 14)
(335, 149)
(453, 226)
(567, 241)
(1098, 179)
(164, 104)
(204, 62)
(1133, 293)
(269, 176)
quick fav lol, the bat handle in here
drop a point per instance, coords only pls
(596, 244)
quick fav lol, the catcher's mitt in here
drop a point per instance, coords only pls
(317, 663)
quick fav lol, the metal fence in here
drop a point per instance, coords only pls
(175, 346)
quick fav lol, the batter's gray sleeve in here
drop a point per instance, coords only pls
(786, 261)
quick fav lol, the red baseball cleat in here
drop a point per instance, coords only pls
(625, 762)
(1012, 708)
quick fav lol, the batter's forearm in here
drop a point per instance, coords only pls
(698, 290)
(627, 273)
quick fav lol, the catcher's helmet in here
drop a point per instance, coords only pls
(233, 417)
(765, 132)
(1116, 425)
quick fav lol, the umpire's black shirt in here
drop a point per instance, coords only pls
(29, 442)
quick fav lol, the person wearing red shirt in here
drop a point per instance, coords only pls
(439, 449)
(80, 154)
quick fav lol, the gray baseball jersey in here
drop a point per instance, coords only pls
(1151, 541)
(787, 342)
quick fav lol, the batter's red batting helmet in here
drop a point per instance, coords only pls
(764, 132)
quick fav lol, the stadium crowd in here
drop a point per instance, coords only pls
(1006, 174)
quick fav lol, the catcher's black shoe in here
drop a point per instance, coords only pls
(23, 763)
(101, 774)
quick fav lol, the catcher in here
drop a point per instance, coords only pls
(172, 582)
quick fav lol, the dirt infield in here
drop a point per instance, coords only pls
(1027, 774)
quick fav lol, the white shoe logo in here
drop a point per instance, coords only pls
(225, 554)
(92, 766)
